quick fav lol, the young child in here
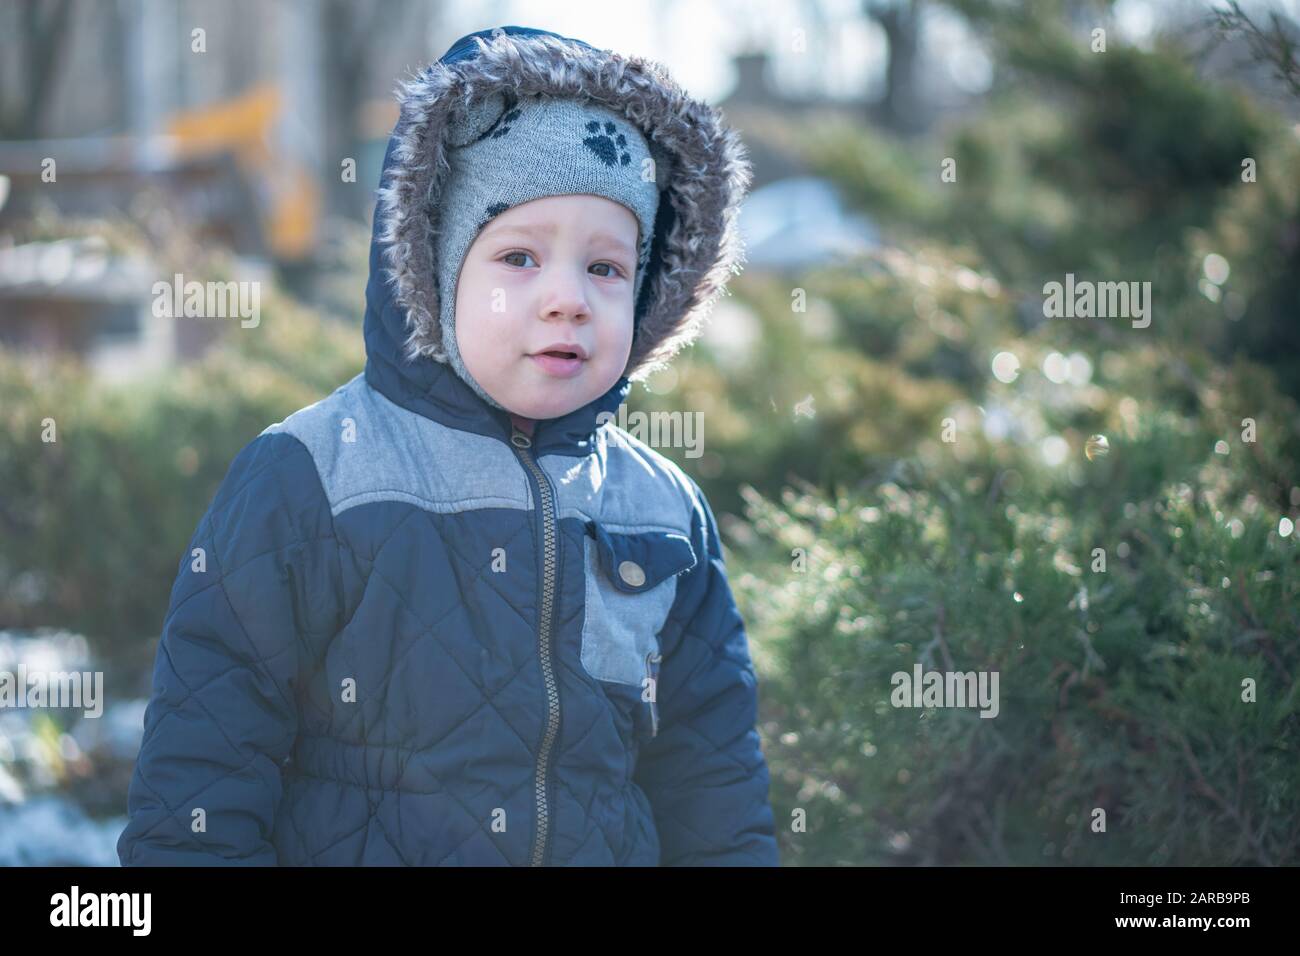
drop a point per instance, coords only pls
(451, 614)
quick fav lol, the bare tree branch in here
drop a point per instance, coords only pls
(1275, 45)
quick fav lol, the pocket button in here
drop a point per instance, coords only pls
(631, 573)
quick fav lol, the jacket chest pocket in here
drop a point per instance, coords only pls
(631, 582)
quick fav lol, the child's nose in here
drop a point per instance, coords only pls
(566, 295)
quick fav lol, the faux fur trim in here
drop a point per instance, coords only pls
(690, 262)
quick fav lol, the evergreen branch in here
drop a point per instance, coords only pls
(1204, 788)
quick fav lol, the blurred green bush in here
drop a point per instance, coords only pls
(1121, 690)
(93, 525)
(1121, 669)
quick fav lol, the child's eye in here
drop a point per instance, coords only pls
(511, 258)
(510, 255)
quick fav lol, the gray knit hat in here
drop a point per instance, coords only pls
(507, 150)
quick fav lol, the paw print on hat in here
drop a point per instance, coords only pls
(492, 211)
(609, 147)
(501, 126)
(491, 116)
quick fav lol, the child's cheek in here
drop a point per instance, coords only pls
(620, 335)
(504, 294)
(490, 295)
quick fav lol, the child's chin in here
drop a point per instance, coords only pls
(550, 400)
(545, 410)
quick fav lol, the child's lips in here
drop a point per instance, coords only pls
(556, 365)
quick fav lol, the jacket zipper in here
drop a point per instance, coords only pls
(546, 496)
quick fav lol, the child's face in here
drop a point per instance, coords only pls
(555, 271)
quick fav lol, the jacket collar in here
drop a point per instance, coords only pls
(433, 389)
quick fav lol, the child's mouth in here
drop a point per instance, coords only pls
(558, 364)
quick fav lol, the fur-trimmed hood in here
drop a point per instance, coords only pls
(696, 245)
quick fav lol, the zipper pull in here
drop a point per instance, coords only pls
(519, 438)
(650, 660)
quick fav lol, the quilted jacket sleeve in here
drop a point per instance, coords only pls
(222, 716)
(704, 772)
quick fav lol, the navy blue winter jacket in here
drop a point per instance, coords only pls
(405, 632)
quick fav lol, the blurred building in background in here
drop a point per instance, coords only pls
(251, 127)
